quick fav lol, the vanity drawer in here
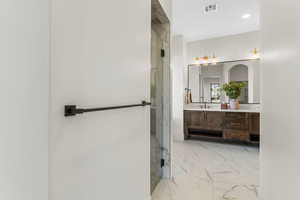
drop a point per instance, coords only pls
(236, 115)
(236, 135)
(238, 124)
(236, 121)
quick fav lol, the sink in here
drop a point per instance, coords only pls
(209, 106)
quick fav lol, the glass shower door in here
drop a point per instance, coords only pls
(156, 108)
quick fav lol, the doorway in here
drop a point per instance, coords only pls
(160, 95)
(219, 156)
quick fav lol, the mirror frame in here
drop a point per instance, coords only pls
(222, 62)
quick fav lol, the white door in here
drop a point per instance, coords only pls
(100, 57)
(24, 93)
(280, 142)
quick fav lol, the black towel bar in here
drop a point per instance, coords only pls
(72, 110)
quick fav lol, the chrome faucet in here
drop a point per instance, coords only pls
(202, 101)
(202, 98)
(205, 105)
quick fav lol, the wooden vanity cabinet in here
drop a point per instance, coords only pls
(254, 123)
(204, 120)
(233, 126)
(236, 135)
(197, 119)
(193, 120)
(214, 120)
(236, 126)
(236, 121)
(254, 127)
(202, 123)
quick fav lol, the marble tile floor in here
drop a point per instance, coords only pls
(211, 171)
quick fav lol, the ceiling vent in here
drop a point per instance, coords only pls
(211, 8)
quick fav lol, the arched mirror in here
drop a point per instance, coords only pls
(239, 73)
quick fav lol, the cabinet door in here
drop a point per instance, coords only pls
(214, 120)
(254, 123)
(197, 120)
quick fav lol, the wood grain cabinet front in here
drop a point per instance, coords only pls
(198, 119)
(238, 126)
(214, 120)
(254, 123)
(236, 121)
(193, 120)
(237, 135)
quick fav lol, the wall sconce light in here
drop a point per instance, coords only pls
(214, 60)
(256, 54)
(205, 60)
(197, 61)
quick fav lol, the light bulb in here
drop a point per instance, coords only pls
(205, 60)
(214, 60)
(256, 53)
(197, 60)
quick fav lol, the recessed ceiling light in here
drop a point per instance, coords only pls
(246, 16)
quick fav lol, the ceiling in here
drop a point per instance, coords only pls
(191, 21)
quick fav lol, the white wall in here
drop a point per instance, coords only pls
(179, 63)
(226, 48)
(100, 57)
(24, 90)
(235, 47)
(280, 161)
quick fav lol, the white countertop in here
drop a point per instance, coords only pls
(217, 108)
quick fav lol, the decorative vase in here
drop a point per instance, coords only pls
(234, 104)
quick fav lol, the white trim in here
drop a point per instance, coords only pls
(149, 198)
